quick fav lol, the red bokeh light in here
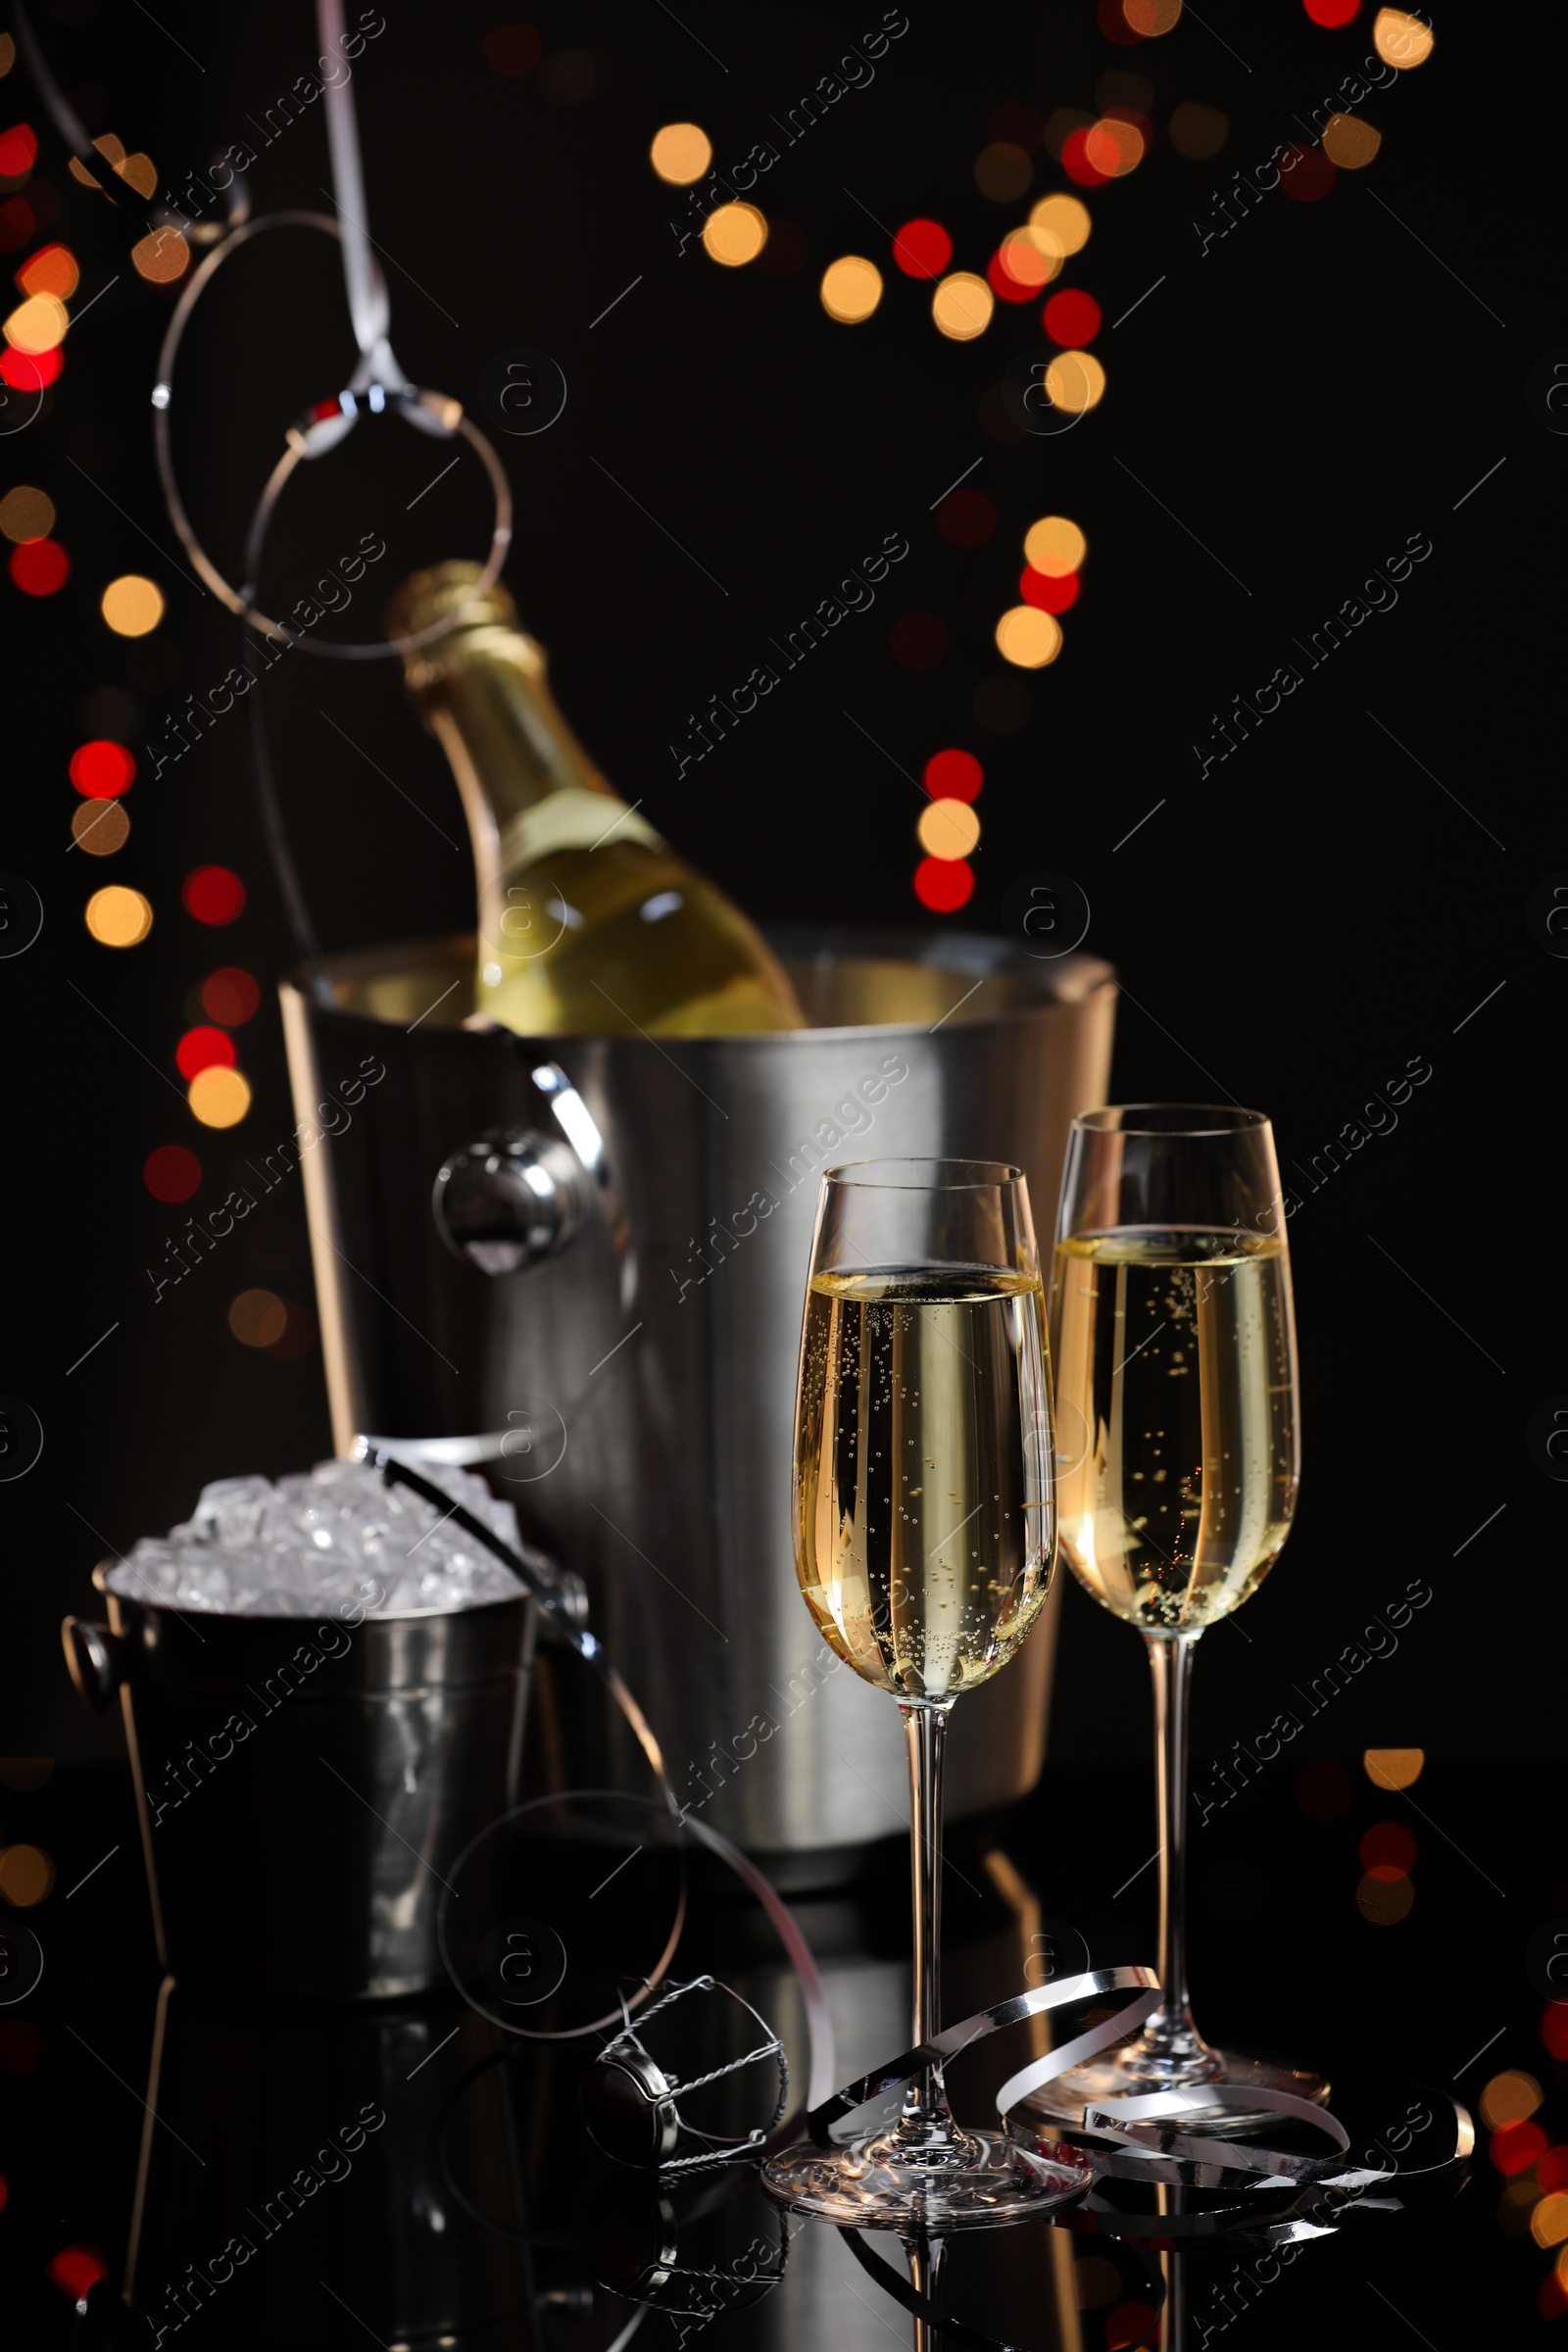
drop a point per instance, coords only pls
(1551, 2297)
(171, 1173)
(918, 641)
(1324, 1790)
(1388, 1846)
(77, 2268)
(1114, 25)
(18, 151)
(39, 567)
(1076, 163)
(966, 518)
(1516, 2146)
(1130, 2323)
(1551, 2170)
(1554, 2028)
(514, 48)
(1004, 285)
(21, 2048)
(1046, 594)
(204, 1048)
(922, 249)
(213, 895)
(298, 1335)
(101, 771)
(943, 884)
(953, 775)
(229, 996)
(18, 222)
(1332, 12)
(1306, 173)
(1071, 318)
(31, 370)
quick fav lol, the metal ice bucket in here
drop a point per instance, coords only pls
(579, 1262)
(306, 1787)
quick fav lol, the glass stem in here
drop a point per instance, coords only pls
(1170, 2038)
(925, 1729)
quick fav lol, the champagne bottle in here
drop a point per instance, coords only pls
(588, 920)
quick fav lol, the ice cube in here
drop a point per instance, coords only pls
(307, 1544)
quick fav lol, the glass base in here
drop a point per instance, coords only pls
(1135, 2070)
(975, 2181)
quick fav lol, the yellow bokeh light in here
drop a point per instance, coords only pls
(1509, 2098)
(140, 171)
(948, 829)
(160, 257)
(218, 1097)
(1385, 1901)
(1027, 637)
(1349, 143)
(27, 1874)
(1401, 39)
(100, 827)
(852, 288)
(1062, 222)
(37, 325)
(1561, 2269)
(256, 1318)
(133, 604)
(1151, 18)
(27, 514)
(52, 271)
(1548, 2224)
(118, 918)
(8, 54)
(1075, 382)
(681, 152)
(1395, 1767)
(1115, 147)
(1055, 546)
(1032, 260)
(735, 234)
(962, 306)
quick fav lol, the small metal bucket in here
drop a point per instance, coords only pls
(306, 1786)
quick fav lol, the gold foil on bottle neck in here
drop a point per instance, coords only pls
(487, 623)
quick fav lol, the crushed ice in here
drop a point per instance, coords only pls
(337, 1538)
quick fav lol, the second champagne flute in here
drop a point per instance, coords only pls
(1178, 1461)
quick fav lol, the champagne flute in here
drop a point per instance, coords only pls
(924, 1541)
(1178, 1461)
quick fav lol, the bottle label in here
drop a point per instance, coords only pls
(572, 818)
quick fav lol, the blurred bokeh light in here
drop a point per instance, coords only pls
(962, 306)
(735, 234)
(118, 918)
(852, 288)
(131, 605)
(680, 153)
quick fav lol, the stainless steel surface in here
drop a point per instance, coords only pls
(303, 1786)
(633, 1392)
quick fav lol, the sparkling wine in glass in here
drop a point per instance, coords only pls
(1178, 1461)
(924, 1541)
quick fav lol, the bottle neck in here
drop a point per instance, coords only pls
(486, 696)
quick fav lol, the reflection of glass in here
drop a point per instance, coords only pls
(924, 1539)
(1175, 1351)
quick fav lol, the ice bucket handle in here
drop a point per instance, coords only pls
(96, 1659)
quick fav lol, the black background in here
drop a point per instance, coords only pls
(1293, 928)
